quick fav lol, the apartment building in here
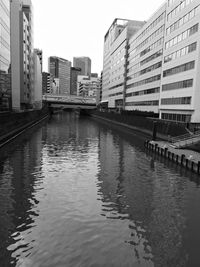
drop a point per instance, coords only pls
(5, 60)
(74, 74)
(180, 94)
(115, 60)
(144, 65)
(88, 86)
(47, 83)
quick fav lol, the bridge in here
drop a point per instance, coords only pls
(69, 101)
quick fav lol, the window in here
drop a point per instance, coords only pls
(177, 85)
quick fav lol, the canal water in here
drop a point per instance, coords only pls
(75, 192)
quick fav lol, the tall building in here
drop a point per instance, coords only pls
(61, 69)
(144, 65)
(180, 94)
(5, 60)
(21, 54)
(84, 63)
(47, 83)
(37, 92)
(115, 60)
(162, 71)
(74, 74)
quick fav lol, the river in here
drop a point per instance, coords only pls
(77, 192)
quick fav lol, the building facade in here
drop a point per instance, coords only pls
(5, 60)
(74, 74)
(47, 83)
(88, 86)
(84, 63)
(115, 60)
(144, 65)
(180, 94)
(22, 54)
(61, 69)
(37, 92)
(162, 71)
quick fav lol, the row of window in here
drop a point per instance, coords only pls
(149, 38)
(145, 81)
(176, 101)
(176, 117)
(152, 46)
(181, 52)
(119, 93)
(144, 92)
(152, 57)
(143, 103)
(116, 63)
(182, 36)
(147, 50)
(146, 70)
(116, 86)
(177, 85)
(151, 26)
(181, 68)
(183, 20)
(178, 8)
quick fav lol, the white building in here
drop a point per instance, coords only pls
(145, 65)
(87, 86)
(180, 94)
(162, 72)
(114, 61)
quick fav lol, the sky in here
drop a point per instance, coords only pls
(73, 28)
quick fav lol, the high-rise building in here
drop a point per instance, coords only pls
(84, 63)
(37, 92)
(74, 74)
(115, 60)
(5, 60)
(61, 69)
(162, 71)
(179, 91)
(21, 54)
(47, 80)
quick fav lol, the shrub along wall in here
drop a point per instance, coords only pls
(142, 121)
(13, 121)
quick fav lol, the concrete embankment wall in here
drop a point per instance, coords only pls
(146, 125)
(12, 124)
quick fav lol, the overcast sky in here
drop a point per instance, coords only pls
(70, 28)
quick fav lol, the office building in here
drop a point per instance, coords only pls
(115, 60)
(162, 72)
(22, 54)
(144, 65)
(74, 74)
(47, 83)
(61, 69)
(88, 86)
(84, 63)
(5, 60)
(180, 94)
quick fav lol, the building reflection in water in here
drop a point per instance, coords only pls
(20, 178)
(137, 188)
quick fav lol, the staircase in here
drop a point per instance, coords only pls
(185, 140)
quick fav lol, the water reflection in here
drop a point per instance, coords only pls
(79, 193)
